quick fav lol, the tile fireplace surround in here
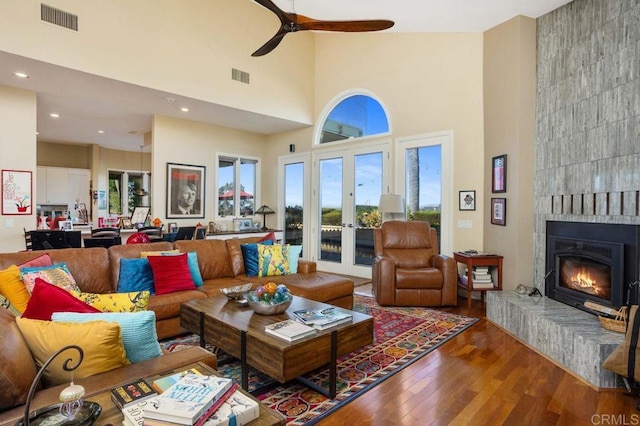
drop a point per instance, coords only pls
(568, 336)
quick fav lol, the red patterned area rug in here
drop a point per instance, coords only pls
(402, 336)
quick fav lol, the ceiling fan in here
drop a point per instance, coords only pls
(292, 22)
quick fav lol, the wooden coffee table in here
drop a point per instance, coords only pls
(112, 416)
(240, 333)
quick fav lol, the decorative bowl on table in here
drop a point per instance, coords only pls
(270, 299)
(236, 292)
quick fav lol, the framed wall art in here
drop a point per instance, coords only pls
(499, 174)
(185, 191)
(17, 192)
(499, 211)
(467, 200)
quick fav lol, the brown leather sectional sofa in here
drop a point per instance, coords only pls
(96, 270)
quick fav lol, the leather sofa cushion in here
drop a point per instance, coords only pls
(17, 369)
(212, 256)
(235, 253)
(89, 267)
(425, 278)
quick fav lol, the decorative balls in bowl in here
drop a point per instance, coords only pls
(270, 299)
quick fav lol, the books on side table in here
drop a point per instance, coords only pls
(290, 330)
(323, 318)
(187, 400)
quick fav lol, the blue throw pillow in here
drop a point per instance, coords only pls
(294, 256)
(250, 257)
(135, 275)
(138, 330)
(194, 269)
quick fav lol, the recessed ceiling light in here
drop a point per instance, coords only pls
(101, 131)
(54, 115)
(184, 109)
(21, 74)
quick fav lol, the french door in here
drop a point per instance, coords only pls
(347, 188)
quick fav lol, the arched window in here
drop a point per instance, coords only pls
(354, 116)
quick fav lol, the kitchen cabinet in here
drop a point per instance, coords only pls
(63, 187)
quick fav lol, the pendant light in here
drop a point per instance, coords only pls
(140, 192)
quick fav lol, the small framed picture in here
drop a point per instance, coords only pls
(125, 223)
(499, 211)
(172, 227)
(467, 200)
(66, 225)
(499, 174)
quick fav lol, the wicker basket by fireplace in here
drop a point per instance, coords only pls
(617, 324)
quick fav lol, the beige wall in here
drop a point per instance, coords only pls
(188, 50)
(427, 83)
(509, 100)
(18, 147)
(64, 155)
(189, 142)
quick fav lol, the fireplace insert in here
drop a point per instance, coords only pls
(591, 262)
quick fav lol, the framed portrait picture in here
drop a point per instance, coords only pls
(66, 225)
(172, 227)
(17, 192)
(499, 211)
(499, 174)
(467, 200)
(125, 223)
(185, 191)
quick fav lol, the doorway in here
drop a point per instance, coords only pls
(348, 185)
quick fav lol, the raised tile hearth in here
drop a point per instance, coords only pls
(570, 337)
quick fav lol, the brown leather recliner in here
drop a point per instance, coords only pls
(408, 269)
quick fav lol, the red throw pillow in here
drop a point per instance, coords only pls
(48, 298)
(270, 236)
(37, 262)
(171, 273)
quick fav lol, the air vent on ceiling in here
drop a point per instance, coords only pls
(241, 76)
(58, 17)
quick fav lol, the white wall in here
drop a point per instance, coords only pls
(18, 147)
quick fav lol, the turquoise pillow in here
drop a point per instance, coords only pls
(250, 257)
(194, 269)
(139, 335)
(294, 256)
(135, 275)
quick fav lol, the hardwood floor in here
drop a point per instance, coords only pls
(485, 377)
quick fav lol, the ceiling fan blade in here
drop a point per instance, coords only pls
(306, 23)
(272, 7)
(271, 44)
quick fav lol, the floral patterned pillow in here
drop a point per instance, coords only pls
(273, 260)
(134, 301)
(57, 274)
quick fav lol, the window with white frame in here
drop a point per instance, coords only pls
(237, 178)
(354, 116)
(127, 190)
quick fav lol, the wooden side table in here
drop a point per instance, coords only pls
(492, 260)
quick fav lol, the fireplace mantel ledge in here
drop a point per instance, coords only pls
(570, 337)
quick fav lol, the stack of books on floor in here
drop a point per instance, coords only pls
(322, 319)
(193, 399)
(482, 277)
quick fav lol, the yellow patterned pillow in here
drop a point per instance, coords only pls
(134, 301)
(100, 340)
(158, 253)
(273, 260)
(12, 287)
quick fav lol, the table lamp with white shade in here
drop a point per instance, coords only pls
(391, 207)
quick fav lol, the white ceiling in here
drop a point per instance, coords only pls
(89, 103)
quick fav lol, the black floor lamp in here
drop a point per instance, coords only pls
(264, 210)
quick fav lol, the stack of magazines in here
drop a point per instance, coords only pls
(321, 319)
